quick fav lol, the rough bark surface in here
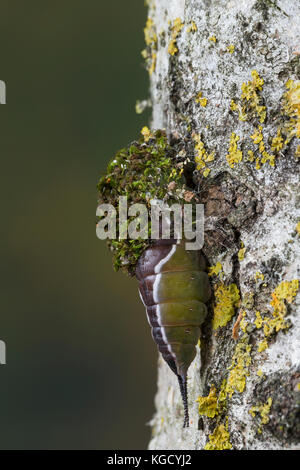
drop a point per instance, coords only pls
(251, 216)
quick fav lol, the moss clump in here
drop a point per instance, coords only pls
(219, 439)
(141, 172)
(227, 298)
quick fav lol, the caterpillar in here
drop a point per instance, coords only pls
(174, 287)
(173, 283)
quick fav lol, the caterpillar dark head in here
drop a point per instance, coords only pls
(174, 288)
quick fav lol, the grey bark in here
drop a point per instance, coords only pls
(256, 207)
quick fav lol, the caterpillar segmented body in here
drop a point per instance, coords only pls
(174, 288)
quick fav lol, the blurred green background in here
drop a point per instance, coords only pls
(81, 363)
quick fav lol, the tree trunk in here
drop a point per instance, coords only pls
(224, 78)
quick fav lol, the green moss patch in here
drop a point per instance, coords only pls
(148, 169)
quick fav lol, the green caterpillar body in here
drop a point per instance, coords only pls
(174, 287)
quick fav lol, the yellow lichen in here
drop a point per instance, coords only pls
(257, 138)
(222, 395)
(146, 133)
(250, 88)
(291, 108)
(230, 48)
(260, 373)
(201, 155)
(202, 101)
(192, 27)
(213, 38)
(244, 322)
(259, 276)
(175, 30)
(241, 253)
(208, 406)
(262, 346)
(227, 298)
(251, 100)
(259, 321)
(251, 157)
(219, 439)
(290, 127)
(233, 106)
(284, 292)
(151, 42)
(173, 49)
(264, 411)
(236, 381)
(298, 228)
(239, 368)
(153, 63)
(277, 142)
(234, 155)
(215, 270)
(149, 32)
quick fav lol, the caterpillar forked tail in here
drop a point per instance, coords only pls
(183, 390)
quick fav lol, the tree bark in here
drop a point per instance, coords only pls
(224, 78)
